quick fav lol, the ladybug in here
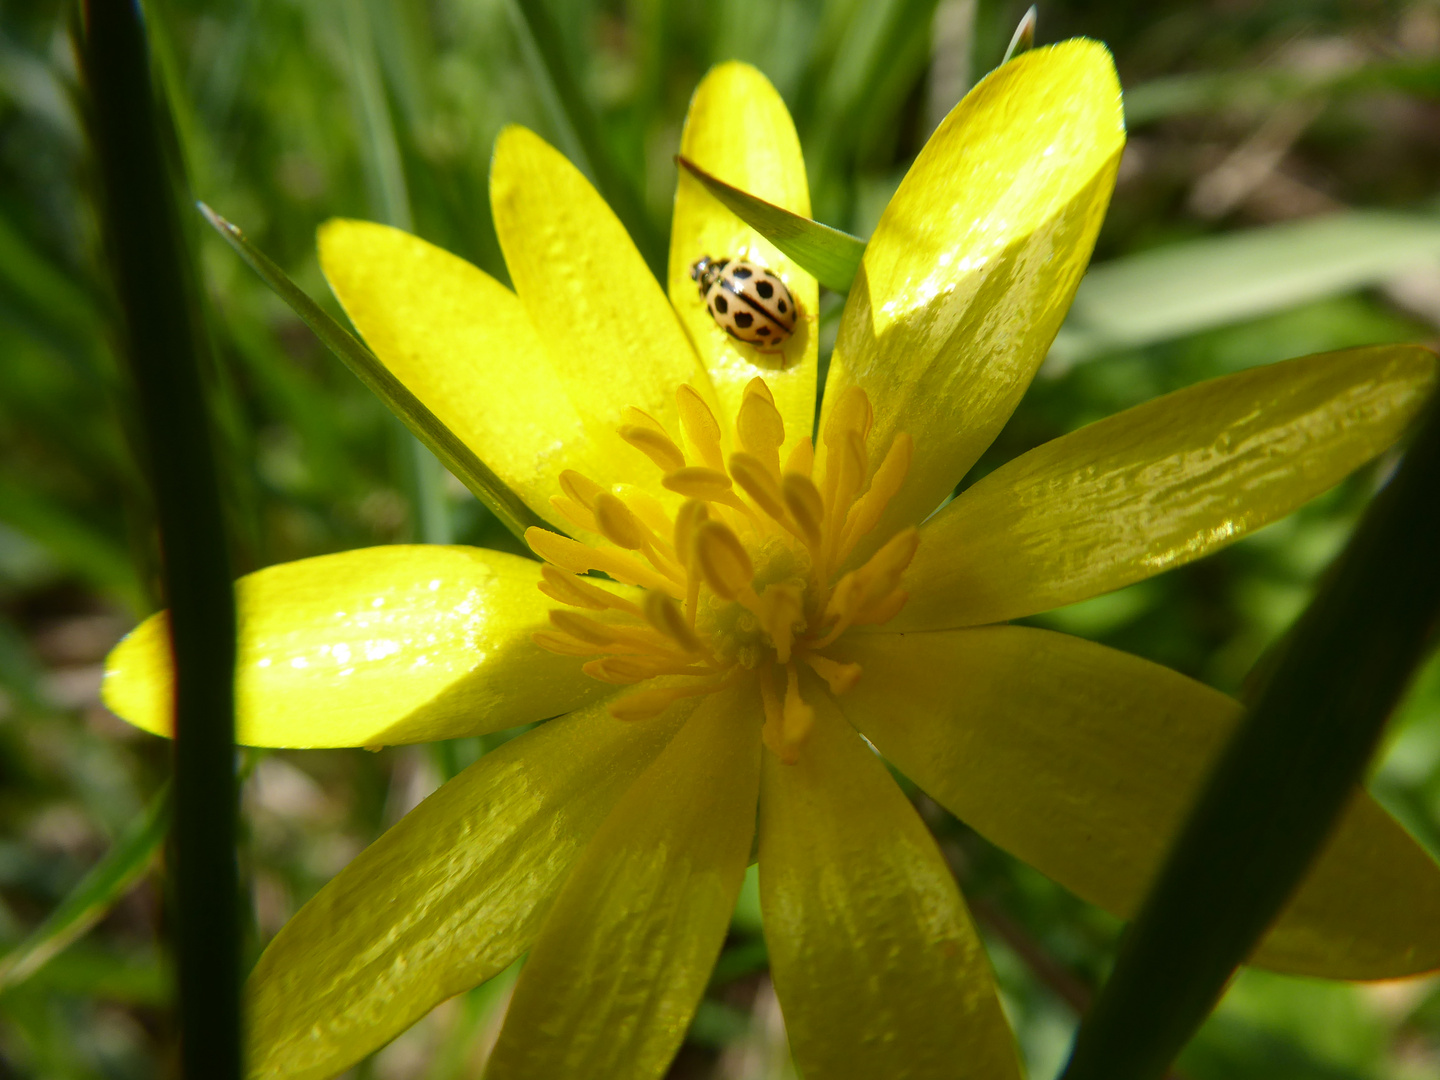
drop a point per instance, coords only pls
(748, 302)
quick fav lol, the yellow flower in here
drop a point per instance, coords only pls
(771, 603)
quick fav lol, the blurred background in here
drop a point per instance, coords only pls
(1280, 195)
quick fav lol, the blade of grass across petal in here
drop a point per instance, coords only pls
(828, 255)
(445, 899)
(463, 345)
(878, 968)
(608, 330)
(738, 125)
(98, 891)
(374, 647)
(627, 948)
(459, 458)
(1082, 761)
(1160, 485)
(1279, 793)
(974, 263)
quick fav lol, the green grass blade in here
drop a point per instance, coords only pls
(1281, 783)
(1023, 40)
(622, 195)
(832, 257)
(439, 439)
(164, 343)
(97, 892)
(1184, 288)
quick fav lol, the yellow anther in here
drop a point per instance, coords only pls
(886, 482)
(851, 413)
(722, 560)
(647, 508)
(618, 670)
(803, 501)
(799, 718)
(664, 615)
(645, 704)
(801, 459)
(655, 445)
(563, 644)
(882, 610)
(578, 558)
(781, 612)
(702, 432)
(574, 512)
(755, 480)
(565, 588)
(840, 677)
(884, 568)
(616, 523)
(634, 417)
(583, 627)
(759, 425)
(845, 466)
(698, 482)
(687, 520)
(579, 487)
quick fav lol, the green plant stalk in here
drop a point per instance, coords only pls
(105, 883)
(163, 340)
(366, 366)
(1281, 783)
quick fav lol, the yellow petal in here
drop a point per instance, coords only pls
(373, 647)
(739, 130)
(1082, 761)
(461, 342)
(442, 901)
(610, 334)
(873, 955)
(1159, 485)
(627, 949)
(975, 261)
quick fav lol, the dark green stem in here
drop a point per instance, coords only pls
(1281, 783)
(163, 341)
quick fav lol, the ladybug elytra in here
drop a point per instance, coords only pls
(748, 302)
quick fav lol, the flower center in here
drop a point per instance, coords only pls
(745, 576)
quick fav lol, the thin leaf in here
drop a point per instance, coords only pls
(97, 892)
(164, 341)
(1181, 289)
(438, 438)
(1281, 783)
(1023, 40)
(832, 257)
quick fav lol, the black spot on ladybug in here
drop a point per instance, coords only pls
(764, 331)
(743, 319)
(741, 271)
(782, 307)
(722, 306)
(764, 288)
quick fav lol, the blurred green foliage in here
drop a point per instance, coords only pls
(1244, 116)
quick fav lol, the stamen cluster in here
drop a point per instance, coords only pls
(742, 578)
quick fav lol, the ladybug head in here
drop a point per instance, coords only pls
(705, 270)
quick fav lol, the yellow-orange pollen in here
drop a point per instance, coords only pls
(743, 576)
